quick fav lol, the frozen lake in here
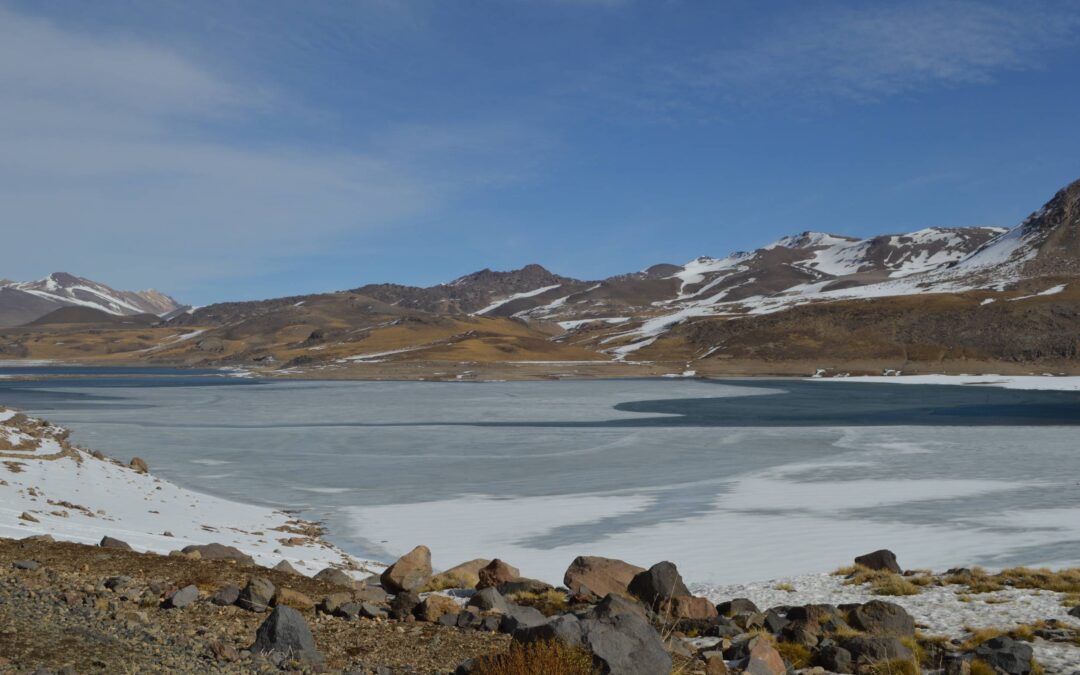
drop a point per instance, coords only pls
(733, 480)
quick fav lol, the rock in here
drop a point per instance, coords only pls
(29, 565)
(875, 649)
(465, 575)
(291, 598)
(774, 621)
(409, 572)
(331, 602)
(257, 595)
(183, 597)
(285, 634)
(110, 542)
(740, 648)
(38, 537)
(805, 633)
(224, 652)
(496, 573)
(1075, 611)
(371, 594)
(658, 583)
(764, 660)
(285, 567)
(715, 665)
(883, 559)
(590, 578)
(435, 606)
(832, 657)
(518, 617)
(614, 604)
(336, 577)
(730, 608)
(488, 600)
(226, 595)
(139, 464)
(1006, 656)
(688, 607)
(883, 618)
(370, 611)
(403, 604)
(621, 642)
(219, 552)
(348, 610)
(525, 585)
(28, 518)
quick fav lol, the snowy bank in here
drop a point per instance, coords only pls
(1029, 382)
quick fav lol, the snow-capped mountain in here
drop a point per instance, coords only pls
(22, 302)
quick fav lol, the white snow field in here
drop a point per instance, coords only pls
(1022, 382)
(78, 497)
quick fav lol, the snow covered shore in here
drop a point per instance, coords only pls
(48, 486)
(1028, 382)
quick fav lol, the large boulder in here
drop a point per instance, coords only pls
(489, 600)
(256, 595)
(183, 597)
(658, 583)
(336, 577)
(621, 642)
(878, 617)
(518, 617)
(688, 607)
(286, 636)
(764, 660)
(465, 575)
(591, 577)
(883, 559)
(867, 649)
(219, 552)
(832, 657)
(1006, 655)
(111, 542)
(495, 574)
(434, 606)
(409, 572)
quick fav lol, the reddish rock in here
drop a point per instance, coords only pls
(495, 574)
(593, 577)
(465, 575)
(410, 572)
(689, 607)
(764, 660)
(434, 606)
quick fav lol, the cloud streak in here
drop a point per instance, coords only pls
(116, 162)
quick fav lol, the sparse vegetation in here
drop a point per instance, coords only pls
(785, 586)
(797, 655)
(549, 602)
(538, 658)
(893, 667)
(883, 582)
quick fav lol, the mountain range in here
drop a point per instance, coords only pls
(933, 299)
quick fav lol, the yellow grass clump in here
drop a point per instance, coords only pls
(538, 658)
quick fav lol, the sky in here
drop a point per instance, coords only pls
(234, 150)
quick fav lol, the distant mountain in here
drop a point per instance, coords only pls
(23, 302)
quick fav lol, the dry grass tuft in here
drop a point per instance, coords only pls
(893, 667)
(538, 658)
(979, 667)
(550, 602)
(785, 586)
(979, 580)
(797, 655)
(882, 582)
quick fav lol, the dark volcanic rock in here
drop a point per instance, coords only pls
(285, 634)
(874, 649)
(403, 604)
(730, 608)
(226, 595)
(489, 600)
(1006, 655)
(257, 595)
(183, 597)
(660, 582)
(110, 542)
(883, 559)
(883, 618)
(219, 552)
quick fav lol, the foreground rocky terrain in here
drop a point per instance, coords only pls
(71, 608)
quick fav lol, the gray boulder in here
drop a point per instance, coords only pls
(518, 617)
(29, 565)
(183, 597)
(336, 577)
(256, 595)
(833, 658)
(1075, 611)
(619, 638)
(219, 552)
(660, 582)
(1006, 655)
(286, 635)
(730, 608)
(403, 605)
(875, 649)
(883, 559)
(878, 617)
(226, 595)
(489, 600)
(110, 542)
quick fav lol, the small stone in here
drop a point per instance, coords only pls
(28, 518)
(226, 595)
(257, 595)
(29, 565)
(224, 652)
(110, 542)
(435, 606)
(183, 597)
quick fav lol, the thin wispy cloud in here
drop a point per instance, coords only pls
(136, 160)
(867, 51)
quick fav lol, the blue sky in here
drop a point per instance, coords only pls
(232, 150)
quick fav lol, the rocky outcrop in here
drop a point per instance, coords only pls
(410, 572)
(593, 577)
(883, 559)
(660, 582)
